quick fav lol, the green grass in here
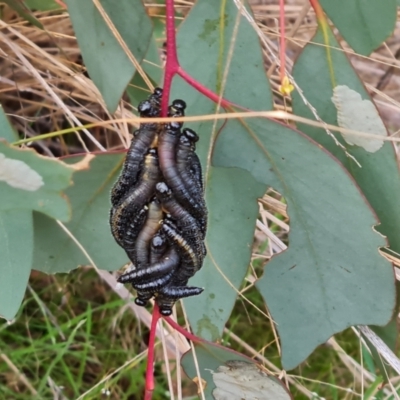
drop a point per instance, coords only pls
(72, 332)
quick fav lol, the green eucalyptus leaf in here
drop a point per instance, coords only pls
(231, 195)
(363, 24)
(378, 176)
(16, 249)
(230, 375)
(236, 148)
(33, 182)
(6, 130)
(42, 5)
(21, 8)
(108, 65)
(332, 275)
(57, 249)
(137, 90)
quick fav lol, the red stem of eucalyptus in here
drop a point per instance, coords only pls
(181, 330)
(172, 63)
(172, 66)
(150, 354)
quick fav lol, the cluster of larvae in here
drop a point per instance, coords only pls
(158, 214)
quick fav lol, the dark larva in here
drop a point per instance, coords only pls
(188, 163)
(189, 169)
(126, 234)
(185, 222)
(158, 247)
(141, 142)
(135, 200)
(157, 250)
(168, 263)
(184, 192)
(168, 295)
(150, 228)
(190, 260)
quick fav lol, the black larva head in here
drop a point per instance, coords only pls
(158, 92)
(179, 104)
(166, 311)
(191, 135)
(140, 302)
(145, 107)
(177, 109)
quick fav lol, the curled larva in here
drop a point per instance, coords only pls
(186, 224)
(134, 201)
(141, 142)
(191, 261)
(158, 248)
(150, 228)
(187, 192)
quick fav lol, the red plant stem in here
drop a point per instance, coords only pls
(202, 89)
(172, 66)
(181, 330)
(172, 63)
(149, 387)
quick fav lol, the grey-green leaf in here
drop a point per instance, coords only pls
(42, 5)
(331, 276)
(363, 24)
(231, 376)
(56, 249)
(24, 12)
(16, 249)
(378, 176)
(137, 90)
(232, 202)
(6, 130)
(108, 65)
(30, 181)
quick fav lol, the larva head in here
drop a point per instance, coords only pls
(158, 92)
(140, 302)
(191, 135)
(178, 107)
(151, 106)
(166, 310)
(155, 99)
(145, 108)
